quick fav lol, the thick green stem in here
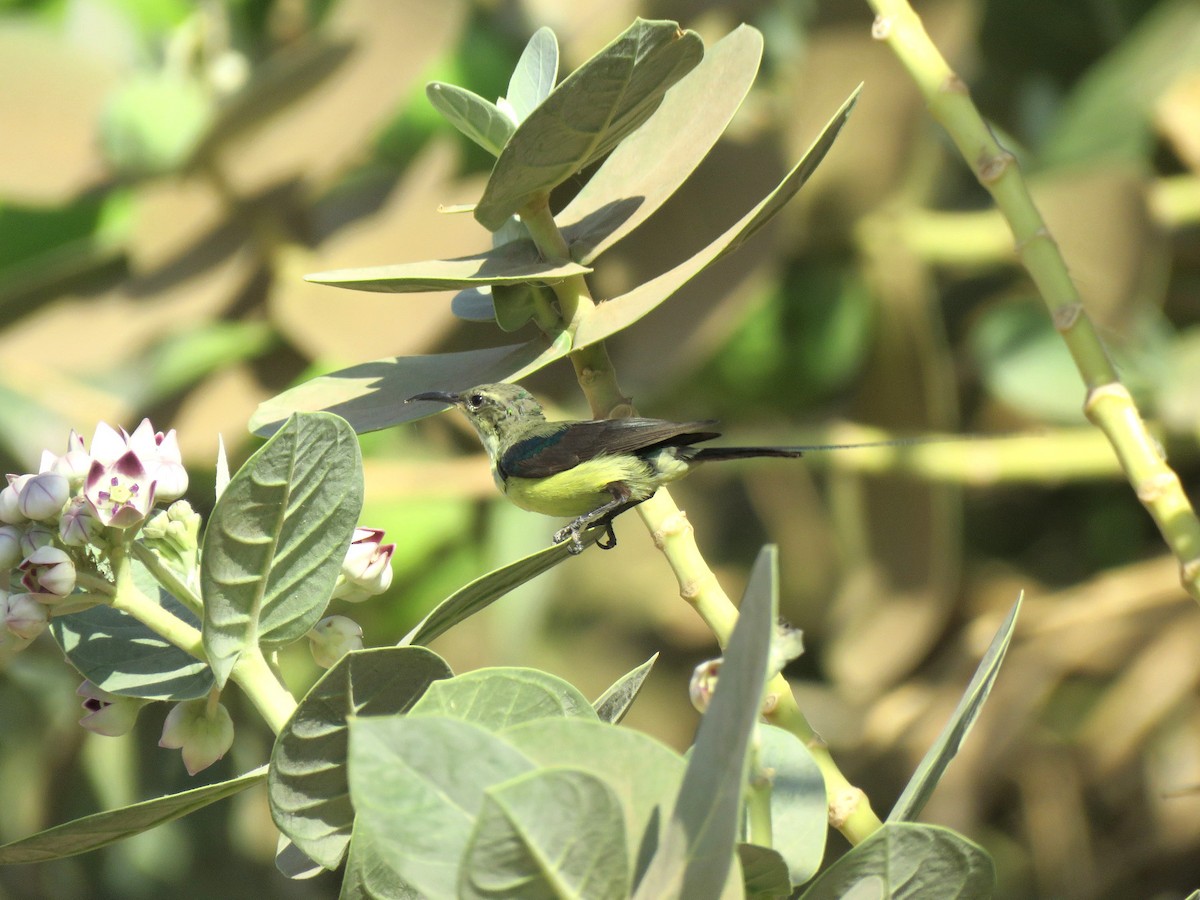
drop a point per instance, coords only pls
(593, 367)
(1108, 404)
(253, 675)
(251, 672)
(128, 599)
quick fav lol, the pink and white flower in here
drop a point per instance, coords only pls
(122, 492)
(367, 569)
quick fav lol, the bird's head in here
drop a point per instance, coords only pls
(498, 411)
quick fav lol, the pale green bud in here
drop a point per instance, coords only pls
(202, 734)
(332, 638)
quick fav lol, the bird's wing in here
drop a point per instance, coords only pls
(571, 443)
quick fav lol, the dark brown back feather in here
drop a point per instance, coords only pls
(557, 449)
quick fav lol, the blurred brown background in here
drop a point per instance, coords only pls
(169, 171)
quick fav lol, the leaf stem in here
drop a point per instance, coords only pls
(1108, 405)
(251, 672)
(129, 599)
(253, 675)
(168, 577)
(593, 367)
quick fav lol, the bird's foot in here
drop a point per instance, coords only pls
(571, 533)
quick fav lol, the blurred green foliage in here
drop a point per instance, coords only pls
(887, 294)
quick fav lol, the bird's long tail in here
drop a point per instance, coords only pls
(712, 454)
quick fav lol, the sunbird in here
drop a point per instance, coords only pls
(593, 470)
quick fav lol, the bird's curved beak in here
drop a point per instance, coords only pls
(438, 396)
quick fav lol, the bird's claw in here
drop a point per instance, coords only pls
(570, 533)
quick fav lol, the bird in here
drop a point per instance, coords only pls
(589, 470)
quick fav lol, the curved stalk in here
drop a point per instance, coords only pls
(1108, 404)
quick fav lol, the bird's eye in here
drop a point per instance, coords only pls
(475, 401)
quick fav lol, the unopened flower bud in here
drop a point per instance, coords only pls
(72, 465)
(23, 615)
(174, 531)
(367, 569)
(108, 714)
(10, 501)
(43, 496)
(79, 526)
(34, 536)
(48, 570)
(703, 683)
(10, 547)
(332, 638)
(204, 736)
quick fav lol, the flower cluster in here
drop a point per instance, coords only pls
(76, 500)
(69, 531)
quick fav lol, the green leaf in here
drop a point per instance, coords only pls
(368, 877)
(904, 860)
(697, 851)
(475, 117)
(119, 654)
(764, 872)
(536, 72)
(417, 784)
(277, 537)
(100, 830)
(487, 589)
(650, 165)
(612, 705)
(511, 263)
(549, 833)
(371, 395)
(588, 115)
(500, 697)
(308, 790)
(945, 748)
(621, 312)
(644, 773)
(799, 810)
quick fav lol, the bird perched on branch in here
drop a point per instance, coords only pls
(590, 470)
